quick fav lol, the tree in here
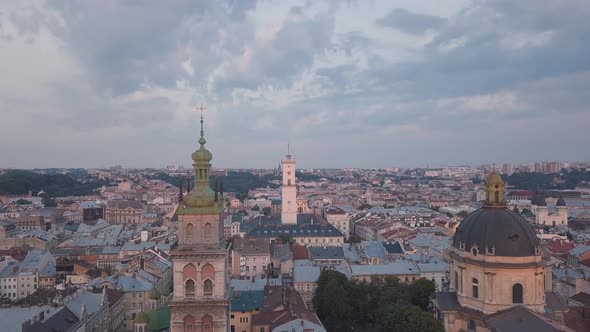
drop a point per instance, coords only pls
(333, 302)
(266, 211)
(420, 291)
(462, 214)
(516, 209)
(354, 239)
(286, 239)
(525, 211)
(256, 208)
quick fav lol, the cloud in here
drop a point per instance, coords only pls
(411, 23)
(103, 83)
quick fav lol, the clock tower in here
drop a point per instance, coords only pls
(289, 192)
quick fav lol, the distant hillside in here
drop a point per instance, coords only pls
(238, 182)
(19, 182)
(541, 181)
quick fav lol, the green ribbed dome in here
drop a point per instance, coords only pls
(202, 155)
(166, 292)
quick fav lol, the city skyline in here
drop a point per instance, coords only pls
(352, 84)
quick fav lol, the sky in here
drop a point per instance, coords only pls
(346, 83)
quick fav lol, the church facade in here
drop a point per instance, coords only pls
(201, 296)
(499, 273)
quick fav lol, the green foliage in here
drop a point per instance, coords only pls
(285, 238)
(541, 181)
(516, 209)
(256, 208)
(385, 304)
(525, 211)
(354, 239)
(23, 202)
(267, 210)
(19, 182)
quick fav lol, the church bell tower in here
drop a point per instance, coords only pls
(200, 300)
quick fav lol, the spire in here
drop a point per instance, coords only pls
(180, 192)
(202, 140)
(216, 189)
(288, 156)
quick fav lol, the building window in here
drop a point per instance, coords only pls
(208, 288)
(471, 326)
(207, 322)
(517, 293)
(475, 289)
(189, 232)
(456, 281)
(189, 323)
(189, 288)
(207, 232)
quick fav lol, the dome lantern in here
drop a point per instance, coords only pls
(494, 190)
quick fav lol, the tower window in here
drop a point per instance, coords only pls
(517, 293)
(189, 232)
(189, 323)
(456, 281)
(475, 288)
(208, 288)
(189, 288)
(207, 232)
(497, 196)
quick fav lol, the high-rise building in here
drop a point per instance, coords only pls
(200, 262)
(289, 192)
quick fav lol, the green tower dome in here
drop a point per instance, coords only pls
(202, 197)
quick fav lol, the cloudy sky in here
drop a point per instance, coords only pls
(347, 83)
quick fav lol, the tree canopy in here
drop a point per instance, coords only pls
(385, 304)
(20, 182)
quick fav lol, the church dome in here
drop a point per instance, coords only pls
(497, 231)
(560, 202)
(538, 200)
(202, 155)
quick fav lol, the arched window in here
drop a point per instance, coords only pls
(189, 232)
(189, 323)
(189, 288)
(517, 293)
(471, 326)
(456, 281)
(189, 272)
(497, 196)
(207, 323)
(207, 232)
(200, 174)
(207, 272)
(208, 288)
(474, 288)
